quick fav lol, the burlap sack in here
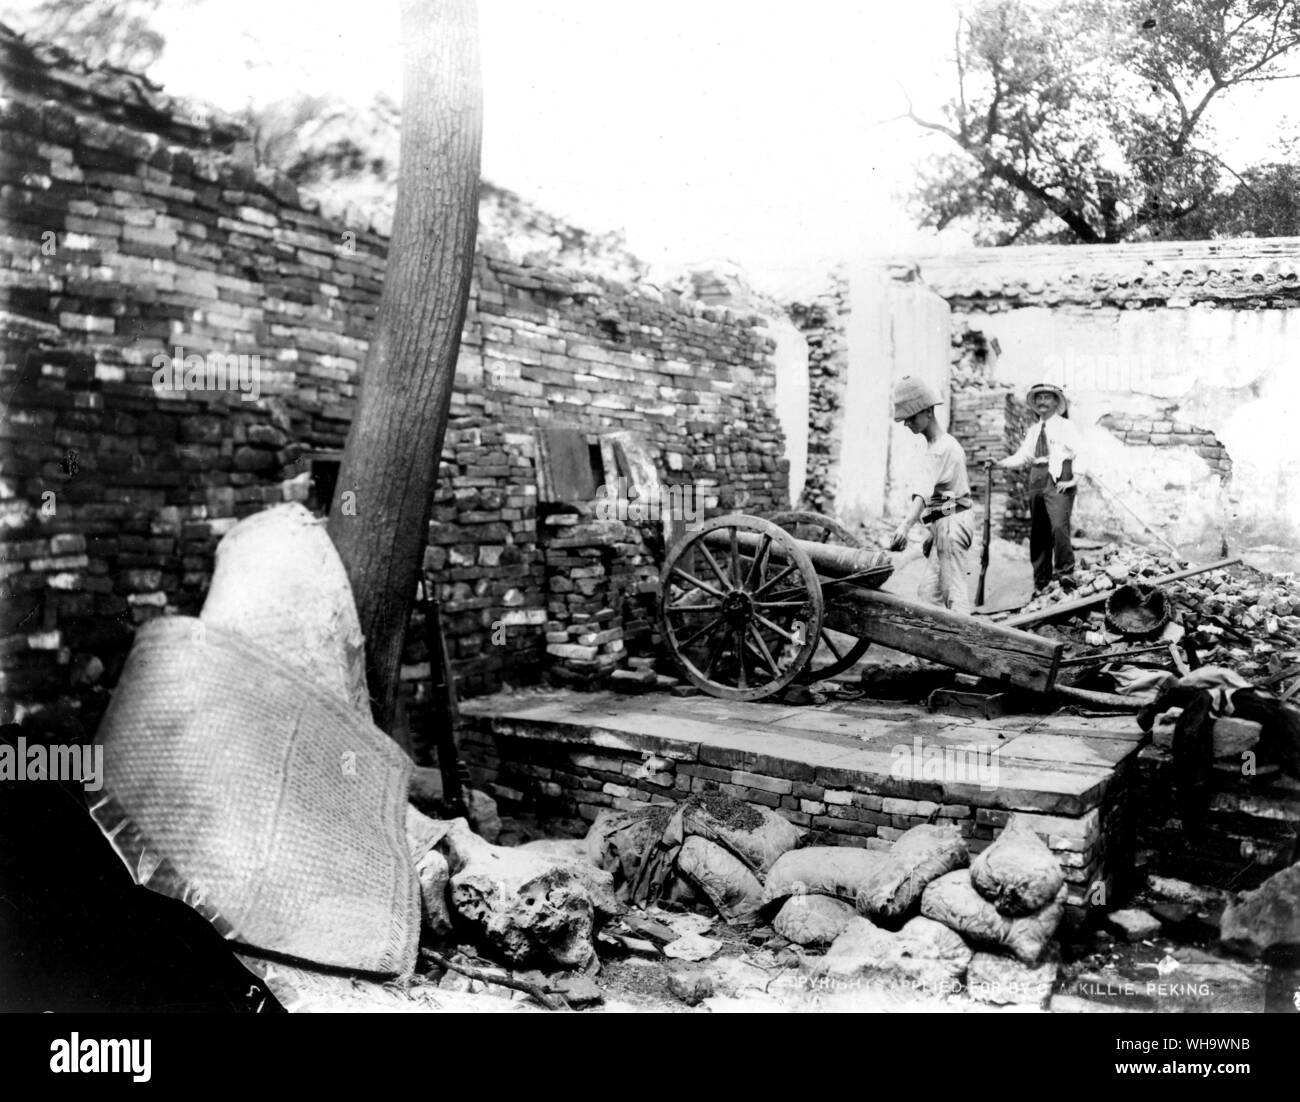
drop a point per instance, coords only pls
(813, 919)
(953, 900)
(1018, 874)
(921, 855)
(839, 871)
(237, 784)
(722, 876)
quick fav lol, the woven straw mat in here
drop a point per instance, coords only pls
(237, 784)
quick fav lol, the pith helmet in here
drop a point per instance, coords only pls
(911, 396)
(1048, 388)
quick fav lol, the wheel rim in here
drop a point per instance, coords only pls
(741, 621)
(835, 652)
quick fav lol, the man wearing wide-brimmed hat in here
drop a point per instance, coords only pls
(1053, 451)
(941, 499)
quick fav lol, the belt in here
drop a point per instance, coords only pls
(931, 517)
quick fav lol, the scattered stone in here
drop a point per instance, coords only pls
(578, 990)
(1133, 924)
(1265, 918)
(640, 946)
(1173, 915)
(632, 681)
(692, 947)
(685, 690)
(648, 929)
(1179, 891)
(691, 985)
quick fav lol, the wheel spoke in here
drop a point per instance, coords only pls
(682, 644)
(781, 604)
(789, 637)
(772, 581)
(713, 563)
(827, 640)
(755, 570)
(764, 652)
(740, 657)
(735, 559)
(715, 654)
(710, 607)
(677, 570)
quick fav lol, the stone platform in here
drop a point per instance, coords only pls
(853, 773)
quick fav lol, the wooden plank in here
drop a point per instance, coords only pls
(1069, 608)
(961, 642)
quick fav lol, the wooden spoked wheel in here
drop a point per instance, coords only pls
(740, 607)
(835, 651)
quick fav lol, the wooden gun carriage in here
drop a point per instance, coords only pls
(749, 606)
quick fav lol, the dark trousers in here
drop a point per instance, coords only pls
(1049, 531)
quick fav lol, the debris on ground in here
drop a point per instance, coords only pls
(1267, 918)
(1237, 617)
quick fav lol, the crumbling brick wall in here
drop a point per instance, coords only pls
(135, 227)
(1171, 433)
(823, 324)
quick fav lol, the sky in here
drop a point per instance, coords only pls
(706, 130)
(703, 129)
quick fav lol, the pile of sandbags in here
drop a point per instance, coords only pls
(1011, 899)
(711, 846)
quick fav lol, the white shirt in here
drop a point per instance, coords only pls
(1064, 441)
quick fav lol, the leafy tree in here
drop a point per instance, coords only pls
(99, 32)
(1084, 120)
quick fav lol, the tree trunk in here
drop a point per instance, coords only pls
(379, 517)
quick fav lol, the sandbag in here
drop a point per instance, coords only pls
(838, 871)
(755, 834)
(279, 581)
(620, 841)
(1018, 874)
(813, 919)
(953, 900)
(921, 855)
(722, 876)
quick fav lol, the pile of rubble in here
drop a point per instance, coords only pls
(1238, 617)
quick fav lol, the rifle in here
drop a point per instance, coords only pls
(443, 708)
(988, 527)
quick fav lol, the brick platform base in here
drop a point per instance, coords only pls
(853, 774)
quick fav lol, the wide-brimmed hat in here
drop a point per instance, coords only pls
(1048, 388)
(911, 396)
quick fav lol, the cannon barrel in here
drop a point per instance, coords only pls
(831, 559)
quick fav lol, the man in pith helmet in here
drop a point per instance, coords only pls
(941, 499)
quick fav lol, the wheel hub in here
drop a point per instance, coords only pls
(737, 608)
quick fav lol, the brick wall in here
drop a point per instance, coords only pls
(1169, 434)
(822, 322)
(134, 227)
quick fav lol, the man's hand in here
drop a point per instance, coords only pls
(1067, 484)
(899, 542)
(989, 464)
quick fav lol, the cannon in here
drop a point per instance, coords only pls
(749, 606)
